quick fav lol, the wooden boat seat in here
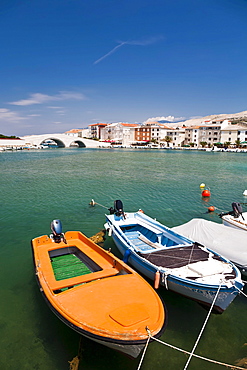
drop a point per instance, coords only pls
(147, 241)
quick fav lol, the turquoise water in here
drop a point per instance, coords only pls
(39, 186)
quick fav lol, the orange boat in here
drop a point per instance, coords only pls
(95, 293)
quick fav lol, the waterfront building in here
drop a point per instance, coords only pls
(80, 132)
(177, 136)
(210, 134)
(234, 133)
(119, 133)
(11, 144)
(153, 132)
(192, 136)
(95, 130)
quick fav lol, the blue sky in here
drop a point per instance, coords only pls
(69, 63)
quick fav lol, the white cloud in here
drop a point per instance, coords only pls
(38, 98)
(10, 116)
(52, 107)
(161, 118)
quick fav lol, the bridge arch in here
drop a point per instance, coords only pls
(79, 143)
(59, 142)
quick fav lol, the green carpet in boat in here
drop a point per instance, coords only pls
(68, 266)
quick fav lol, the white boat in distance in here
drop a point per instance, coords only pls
(235, 218)
(173, 260)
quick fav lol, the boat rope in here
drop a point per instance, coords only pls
(74, 364)
(197, 356)
(191, 253)
(203, 327)
(145, 348)
(240, 291)
(164, 277)
(92, 203)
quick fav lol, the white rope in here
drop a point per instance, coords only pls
(240, 291)
(92, 203)
(203, 327)
(197, 356)
(145, 348)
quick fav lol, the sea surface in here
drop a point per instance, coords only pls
(39, 186)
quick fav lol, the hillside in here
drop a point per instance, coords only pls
(236, 117)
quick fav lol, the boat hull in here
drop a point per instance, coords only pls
(237, 223)
(202, 291)
(104, 299)
(201, 294)
(128, 348)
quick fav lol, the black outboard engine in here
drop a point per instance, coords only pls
(237, 210)
(118, 207)
(57, 234)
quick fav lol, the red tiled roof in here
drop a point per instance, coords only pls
(99, 124)
(129, 124)
(74, 130)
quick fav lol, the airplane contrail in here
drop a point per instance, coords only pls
(110, 52)
(133, 42)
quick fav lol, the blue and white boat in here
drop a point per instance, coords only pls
(172, 260)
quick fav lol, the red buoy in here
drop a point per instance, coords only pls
(206, 193)
(211, 209)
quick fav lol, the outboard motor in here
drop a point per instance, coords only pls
(237, 210)
(118, 207)
(57, 234)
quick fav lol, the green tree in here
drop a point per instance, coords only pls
(237, 142)
(168, 140)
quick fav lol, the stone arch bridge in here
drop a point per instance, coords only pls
(63, 141)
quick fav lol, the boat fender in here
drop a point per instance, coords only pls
(126, 256)
(157, 280)
(211, 209)
(110, 231)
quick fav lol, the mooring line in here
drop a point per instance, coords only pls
(197, 356)
(92, 203)
(191, 354)
(203, 327)
(240, 291)
(145, 348)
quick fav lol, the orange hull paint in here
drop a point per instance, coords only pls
(113, 305)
